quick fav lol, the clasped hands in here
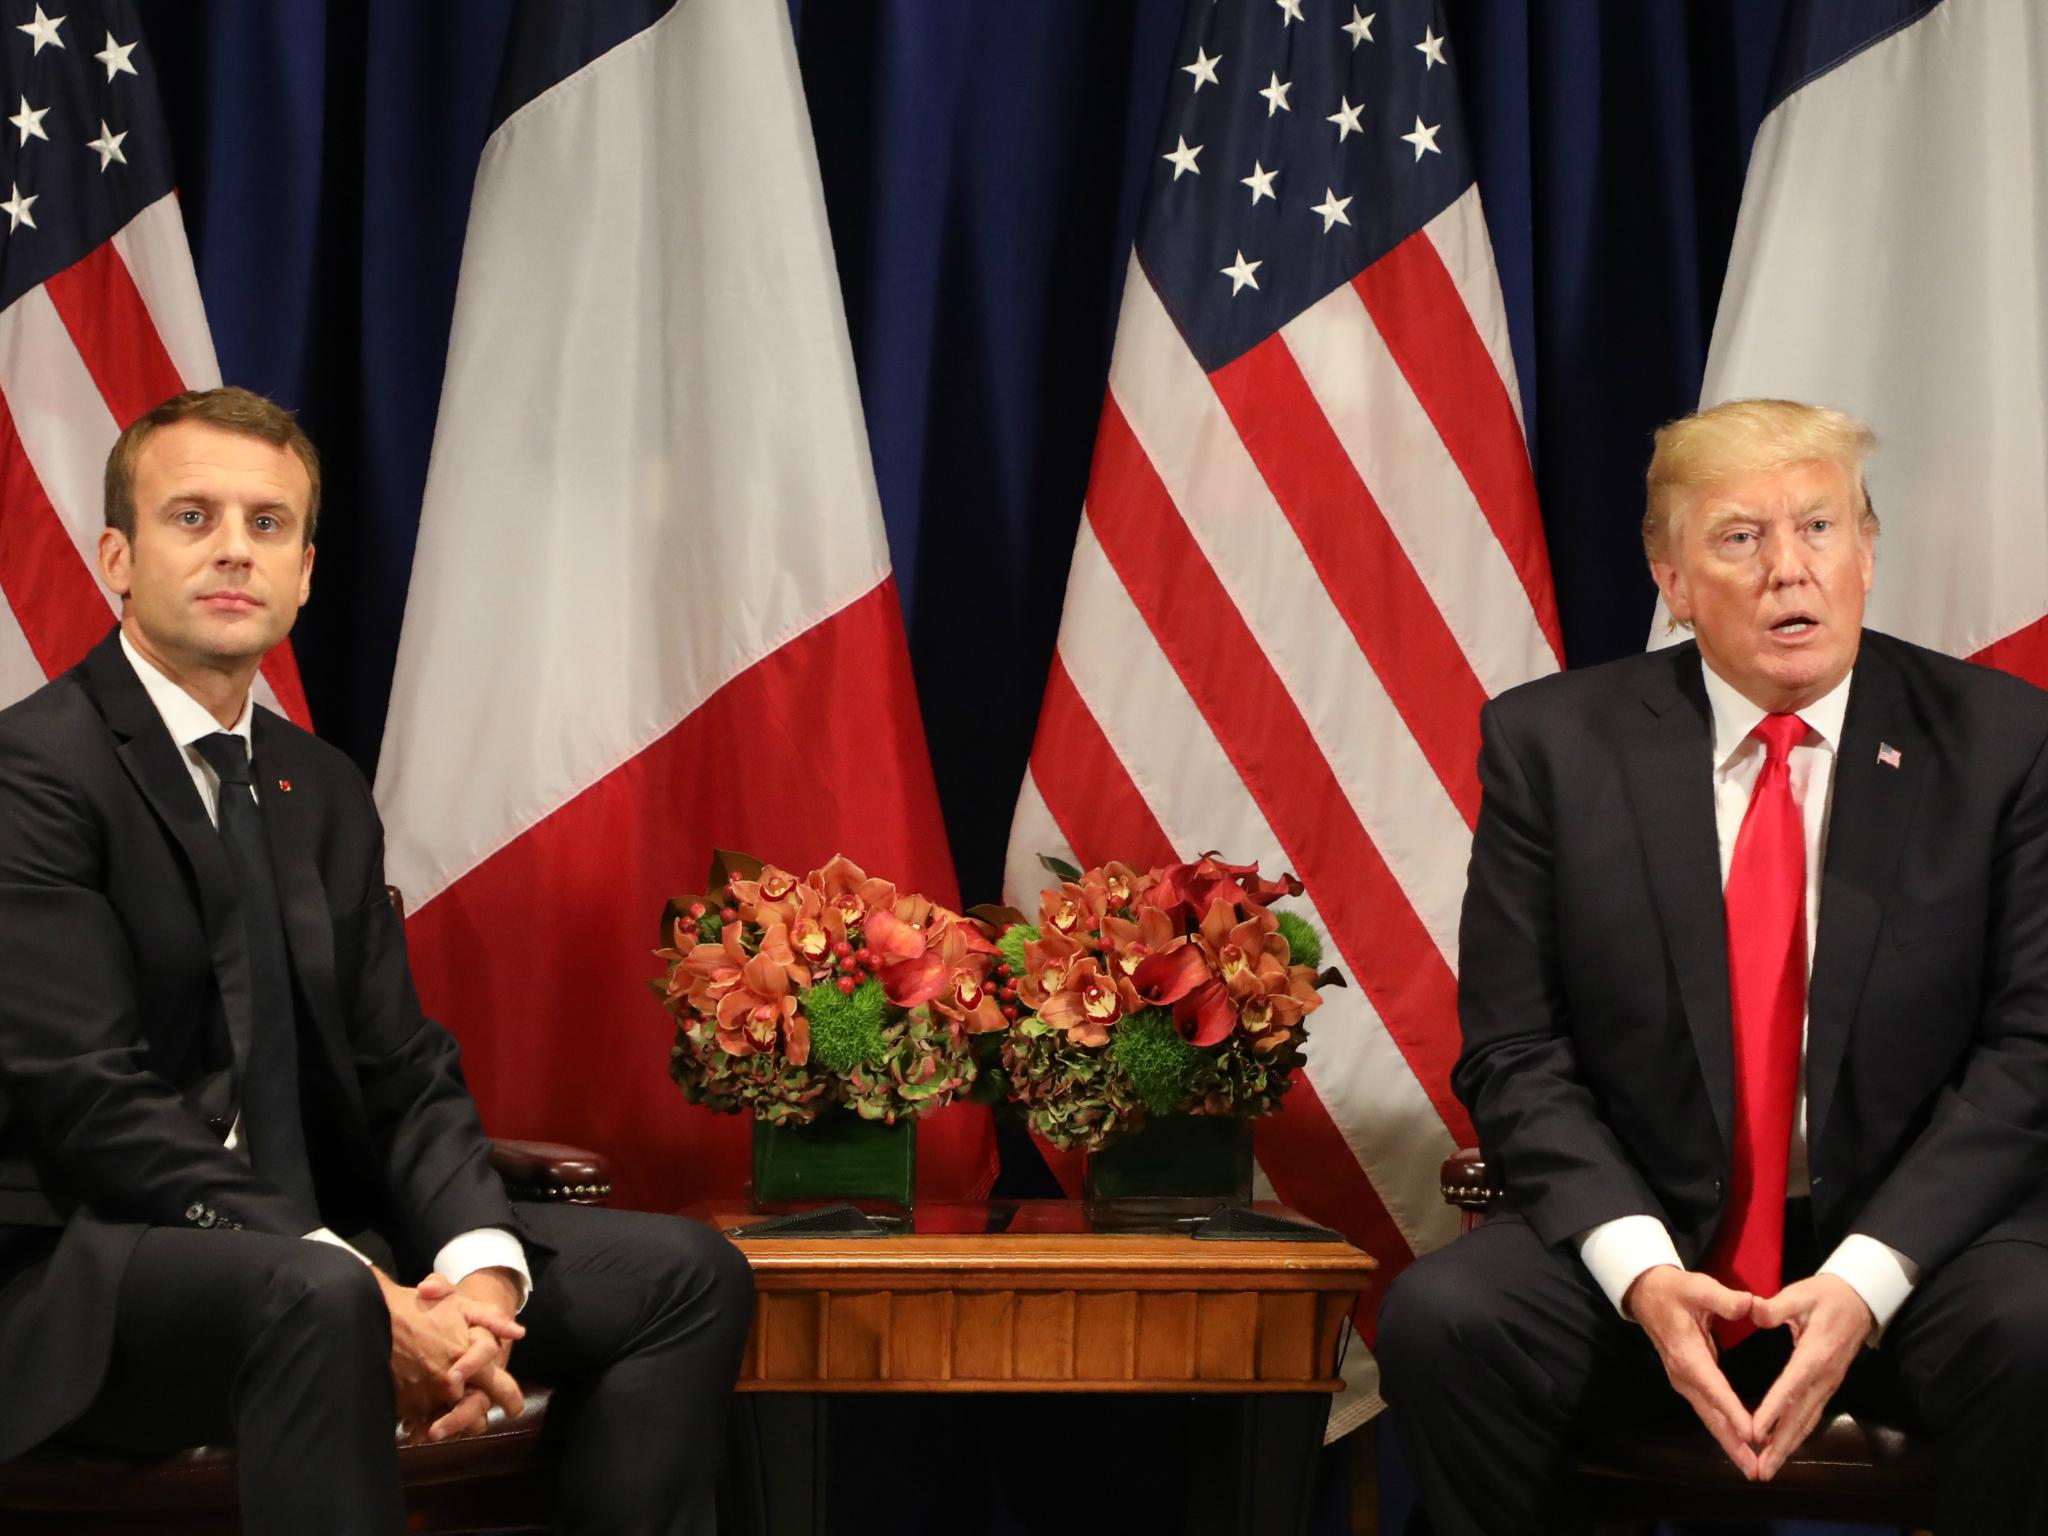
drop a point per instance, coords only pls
(1829, 1323)
(450, 1348)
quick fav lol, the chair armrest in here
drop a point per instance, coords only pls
(1467, 1182)
(547, 1170)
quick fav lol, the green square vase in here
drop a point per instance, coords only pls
(838, 1156)
(1174, 1166)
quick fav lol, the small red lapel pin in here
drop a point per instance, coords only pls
(286, 784)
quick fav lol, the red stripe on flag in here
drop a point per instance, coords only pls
(1255, 721)
(110, 325)
(1422, 317)
(53, 595)
(2024, 653)
(1361, 564)
(281, 671)
(1086, 786)
(538, 958)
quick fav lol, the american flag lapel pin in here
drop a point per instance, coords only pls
(1888, 754)
(285, 785)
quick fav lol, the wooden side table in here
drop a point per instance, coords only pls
(1026, 1298)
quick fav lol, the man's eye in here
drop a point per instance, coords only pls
(266, 524)
(1820, 525)
(190, 517)
(1741, 536)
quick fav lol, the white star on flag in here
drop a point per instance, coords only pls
(1290, 10)
(1360, 27)
(1183, 157)
(17, 207)
(1432, 50)
(1261, 183)
(1423, 138)
(30, 121)
(1240, 274)
(1346, 119)
(44, 30)
(1276, 94)
(109, 145)
(1203, 69)
(1332, 209)
(115, 57)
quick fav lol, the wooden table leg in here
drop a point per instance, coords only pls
(1261, 1450)
(775, 1465)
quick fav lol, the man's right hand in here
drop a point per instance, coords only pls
(436, 1341)
(1676, 1308)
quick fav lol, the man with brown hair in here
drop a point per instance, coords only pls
(212, 1062)
(1754, 993)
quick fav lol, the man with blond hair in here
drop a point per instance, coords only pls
(213, 1071)
(1754, 993)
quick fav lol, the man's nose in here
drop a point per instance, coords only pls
(232, 546)
(1784, 559)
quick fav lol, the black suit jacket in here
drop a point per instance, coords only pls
(120, 998)
(1593, 957)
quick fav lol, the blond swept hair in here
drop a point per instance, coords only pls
(1745, 437)
(230, 408)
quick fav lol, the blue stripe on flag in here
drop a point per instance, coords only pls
(551, 41)
(1820, 34)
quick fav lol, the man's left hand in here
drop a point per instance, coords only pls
(1829, 1324)
(482, 1376)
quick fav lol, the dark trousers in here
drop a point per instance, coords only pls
(1496, 1351)
(282, 1346)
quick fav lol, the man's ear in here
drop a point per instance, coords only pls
(116, 560)
(1671, 583)
(305, 574)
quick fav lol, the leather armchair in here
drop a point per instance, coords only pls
(497, 1481)
(1852, 1468)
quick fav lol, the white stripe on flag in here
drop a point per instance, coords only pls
(64, 425)
(20, 673)
(153, 249)
(1194, 448)
(640, 533)
(1424, 496)
(1032, 832)
(1132, 690)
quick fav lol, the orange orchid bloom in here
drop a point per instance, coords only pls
(759, 1010)
(1086, 1006)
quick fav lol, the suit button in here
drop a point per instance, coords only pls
(218, 1124)
(194, 1211)
(209, 1219)
(1814, 1182)
(1717, 1189)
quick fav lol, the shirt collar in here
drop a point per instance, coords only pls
(1735, 716)
(184, 717)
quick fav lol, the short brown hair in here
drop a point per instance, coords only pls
(230, 408)
(1742, 437)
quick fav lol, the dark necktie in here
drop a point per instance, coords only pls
(1766, 902)
(271, 1128)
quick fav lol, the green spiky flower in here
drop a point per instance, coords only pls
(846, 1028)
(1012, 943)
(1162, 1067)
(1304, 944)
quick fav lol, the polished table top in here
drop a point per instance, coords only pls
(1033, 1295)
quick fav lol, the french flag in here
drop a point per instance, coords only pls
(651, 611)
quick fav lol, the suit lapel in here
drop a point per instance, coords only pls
(1671, 789)
(1867, 825)
(153, 762)
(308, 923)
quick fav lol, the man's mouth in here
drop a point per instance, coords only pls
(230, 601)
(1793, 625)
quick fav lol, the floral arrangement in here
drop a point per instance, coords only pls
(793, 995)
(1178, 991)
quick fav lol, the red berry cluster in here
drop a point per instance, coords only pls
(853, 965)
(1008, 992)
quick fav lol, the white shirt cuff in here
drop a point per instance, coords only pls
(484, 1248)
(1619, 1250)
(322, 1235)
(1879, 1273)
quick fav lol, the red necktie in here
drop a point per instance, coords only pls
(1766, 903)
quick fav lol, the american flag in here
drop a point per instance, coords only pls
(1311, 550)
(100, 319)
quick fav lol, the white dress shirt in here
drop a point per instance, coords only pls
(1618, 1251)
(189, 721)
